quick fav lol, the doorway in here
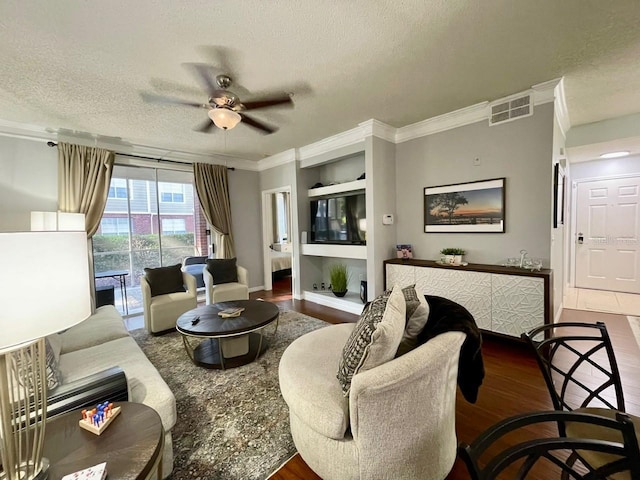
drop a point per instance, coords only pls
(606, 235)
(277, 239)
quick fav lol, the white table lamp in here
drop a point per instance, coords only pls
(44, 288)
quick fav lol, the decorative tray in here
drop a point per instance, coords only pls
(463, 264)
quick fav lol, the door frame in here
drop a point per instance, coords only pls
(267, 221)
(574, 216)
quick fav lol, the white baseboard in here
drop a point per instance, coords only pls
(255, 289)
(556, 319)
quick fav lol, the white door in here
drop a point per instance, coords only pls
(607, 222)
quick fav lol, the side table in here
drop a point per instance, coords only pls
(132, 445)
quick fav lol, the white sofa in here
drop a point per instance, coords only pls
(102, 342)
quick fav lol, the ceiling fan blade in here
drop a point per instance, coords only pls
(252, 122)
(151, 98)
(268, 102)
(206, 127)
(206, 75)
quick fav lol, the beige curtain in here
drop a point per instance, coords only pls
(213, 192)
(84, 175)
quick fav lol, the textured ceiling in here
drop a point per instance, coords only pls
(80, 66)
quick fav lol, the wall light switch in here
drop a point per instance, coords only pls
(387, 219)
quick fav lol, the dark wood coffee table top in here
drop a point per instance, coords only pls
(257, 314)
(132, 445)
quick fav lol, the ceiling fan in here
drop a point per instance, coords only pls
(225, 108)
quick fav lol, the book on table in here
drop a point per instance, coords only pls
(97, 472)
(231, 312)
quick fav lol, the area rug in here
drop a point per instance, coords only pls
(634, 323)
(232, 424)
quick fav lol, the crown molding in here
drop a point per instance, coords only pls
(545, 92)
(379, 129)
(560, 108)
(447, 121)
(278, 159)
(343, 139)
(40, 134)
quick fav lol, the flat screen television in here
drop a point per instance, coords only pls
(340, 219)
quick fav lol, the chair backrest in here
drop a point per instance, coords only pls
(578, 365)
(194, 260)
(491, 454)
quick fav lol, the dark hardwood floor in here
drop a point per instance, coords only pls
(512, 385)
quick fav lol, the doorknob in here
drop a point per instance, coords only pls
(580, 238)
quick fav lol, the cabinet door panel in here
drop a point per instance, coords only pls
(517, 303)
(472, 290)
(403, 275)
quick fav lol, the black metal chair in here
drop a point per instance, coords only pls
(491, 456)
(568, 354)
(580, 369)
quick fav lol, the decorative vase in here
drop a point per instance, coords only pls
(453, 259)
(339, 294)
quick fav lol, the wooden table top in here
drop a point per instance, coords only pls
(256, 314)
(131, 445)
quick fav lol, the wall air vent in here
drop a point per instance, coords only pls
(511, 108)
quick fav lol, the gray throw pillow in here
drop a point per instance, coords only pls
(416, 318)
(163, 280)
(375, 338)
(223, 270)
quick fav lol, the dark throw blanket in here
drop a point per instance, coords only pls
(446, 316)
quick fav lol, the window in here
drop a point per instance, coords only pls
(114, 226)
(172, 226)
(171, 192)
(118, 188)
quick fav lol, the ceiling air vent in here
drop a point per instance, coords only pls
(510, 109)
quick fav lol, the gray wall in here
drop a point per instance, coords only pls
(605, 168)
(558, 235)
(276, 177)
(28, 181)
(246, 219)
(520, 150)
(381, 199)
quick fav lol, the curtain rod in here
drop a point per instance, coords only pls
(52, 144)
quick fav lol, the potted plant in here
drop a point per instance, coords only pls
(452, 256)
(339, 276)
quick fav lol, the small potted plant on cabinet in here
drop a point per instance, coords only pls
(452, 256)
(339, 275)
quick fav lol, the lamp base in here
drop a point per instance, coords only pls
(42, 475)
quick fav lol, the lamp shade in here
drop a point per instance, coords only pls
(224, 118)
(44, 284)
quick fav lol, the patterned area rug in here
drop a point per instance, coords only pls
(232, 424)
(634, 322)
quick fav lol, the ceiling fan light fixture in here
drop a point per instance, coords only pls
(224, 118)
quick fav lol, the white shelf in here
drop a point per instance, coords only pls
(340, 251)
(349, 303)
(339, 188)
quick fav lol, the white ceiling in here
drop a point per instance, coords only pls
(79, 66)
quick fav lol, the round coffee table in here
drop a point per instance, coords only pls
(132, 445)
(215, 342)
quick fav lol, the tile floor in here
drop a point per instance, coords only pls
(602, 301)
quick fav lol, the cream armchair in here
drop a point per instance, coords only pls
(162, 311)
(398, 421)
(225, 292)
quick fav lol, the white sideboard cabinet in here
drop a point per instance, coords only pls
(503, 300)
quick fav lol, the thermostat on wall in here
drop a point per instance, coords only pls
(387, 219)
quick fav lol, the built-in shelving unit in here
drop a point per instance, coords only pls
(339, 251)
(349, 303)
(338, 188)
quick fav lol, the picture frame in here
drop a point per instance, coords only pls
(472, 207)
(559, 189)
